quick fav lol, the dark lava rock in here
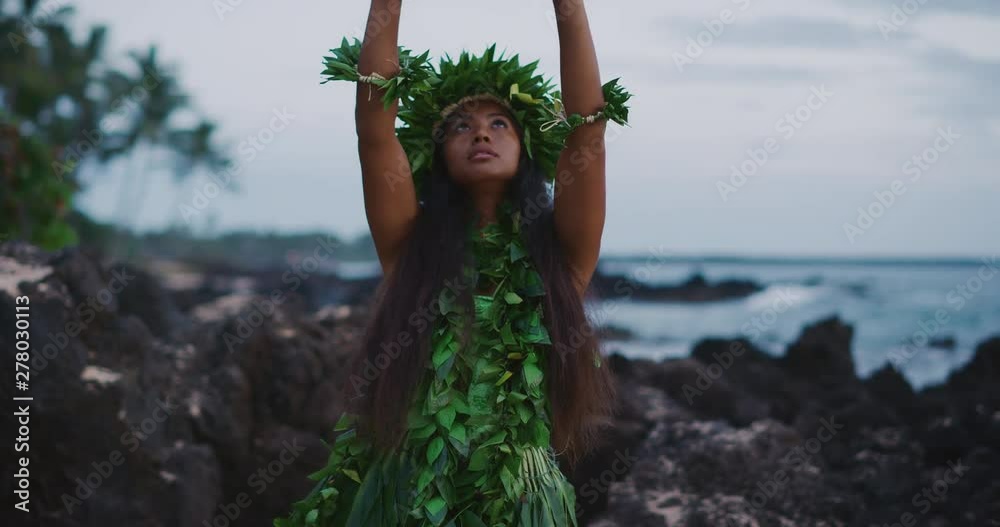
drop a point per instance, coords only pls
(142, 416)
(695, 289)
(823, 351)
(196, 398)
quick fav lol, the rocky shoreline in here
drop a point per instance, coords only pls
(162, 400)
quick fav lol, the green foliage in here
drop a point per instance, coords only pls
(423, 93)
(33, 202)
(63, 105)
(478, 449)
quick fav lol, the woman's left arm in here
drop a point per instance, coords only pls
(579, 188)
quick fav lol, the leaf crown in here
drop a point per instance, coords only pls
(427, 95)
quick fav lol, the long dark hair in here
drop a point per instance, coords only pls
(395, 350)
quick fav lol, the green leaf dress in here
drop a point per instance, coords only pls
(477, 451)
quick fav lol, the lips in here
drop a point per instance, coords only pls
(481, 152)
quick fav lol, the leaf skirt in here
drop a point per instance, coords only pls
(477, 451)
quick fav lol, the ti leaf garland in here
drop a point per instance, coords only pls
(478, 449)
(478, 437)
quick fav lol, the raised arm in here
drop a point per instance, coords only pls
(390, 197)
(580, 186)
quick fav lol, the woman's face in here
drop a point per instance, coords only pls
(481, 144)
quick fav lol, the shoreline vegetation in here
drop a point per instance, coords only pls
(253, 249)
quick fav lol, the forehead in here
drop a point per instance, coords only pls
(479, 109)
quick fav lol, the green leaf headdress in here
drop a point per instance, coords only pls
(427, 96)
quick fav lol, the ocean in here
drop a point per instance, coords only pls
(926, 318)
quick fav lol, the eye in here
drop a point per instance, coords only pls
(461, 126)
(500, 121)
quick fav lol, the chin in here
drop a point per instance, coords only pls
(482, 176)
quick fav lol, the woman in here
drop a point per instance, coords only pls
(479, 372)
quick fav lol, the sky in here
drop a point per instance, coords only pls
(849, 128)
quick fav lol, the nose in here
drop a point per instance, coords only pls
(480, 135)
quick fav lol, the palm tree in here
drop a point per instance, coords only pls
(148, 124)
(33, 113)
(59, 93)
(196, 148)
(29, 88)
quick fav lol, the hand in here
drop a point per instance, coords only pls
(566, 9)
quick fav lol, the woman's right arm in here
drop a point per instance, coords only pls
(390, 197)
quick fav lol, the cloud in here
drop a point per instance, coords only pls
(687, 127)
(976, 37)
